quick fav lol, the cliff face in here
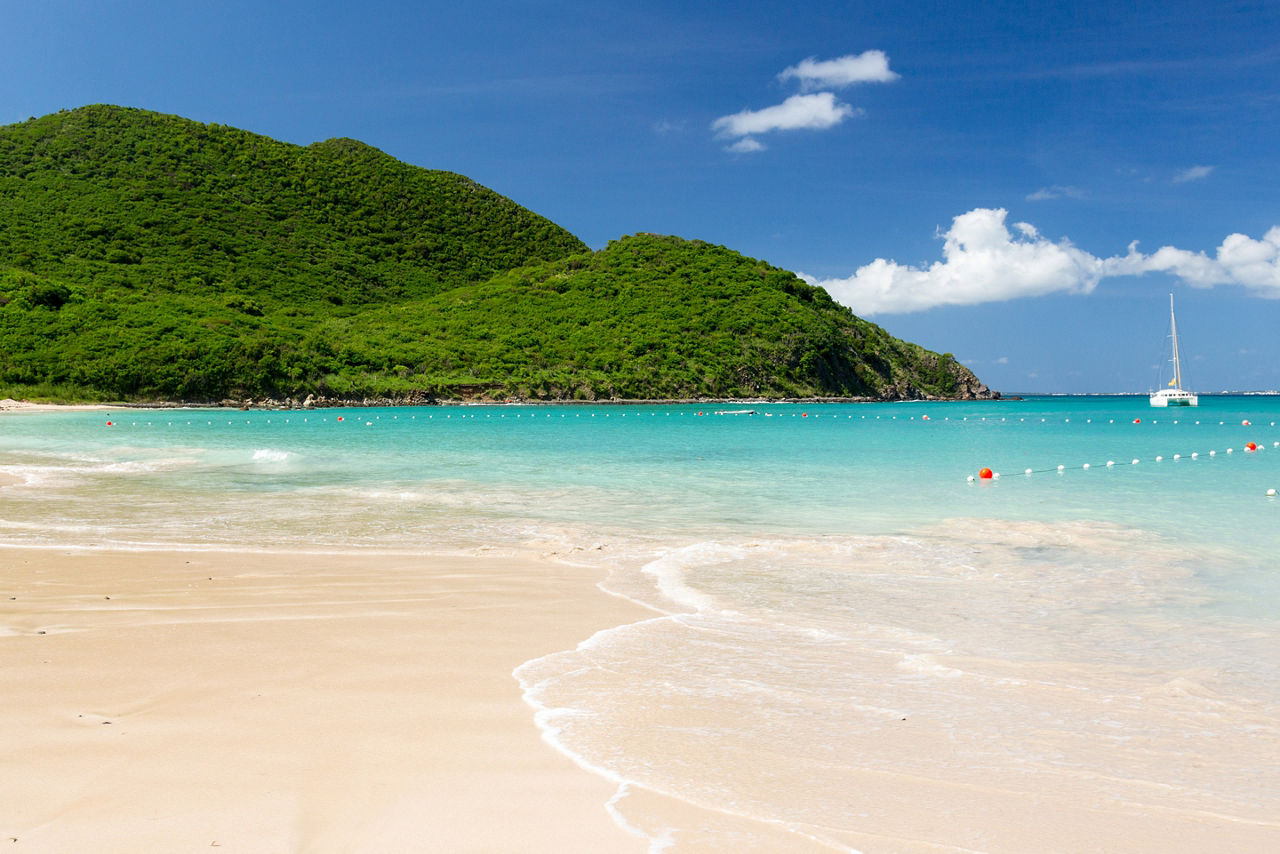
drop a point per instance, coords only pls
(966, 387)
(969, 387)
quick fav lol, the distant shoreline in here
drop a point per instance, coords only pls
(11, 405)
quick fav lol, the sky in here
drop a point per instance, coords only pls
(1020, 184)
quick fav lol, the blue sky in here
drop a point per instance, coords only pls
(971, 176)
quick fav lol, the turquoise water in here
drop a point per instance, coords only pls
(818, 575)
(830, 469)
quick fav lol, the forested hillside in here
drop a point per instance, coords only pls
(653, 316)
(145, 256)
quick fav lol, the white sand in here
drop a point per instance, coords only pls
(165, 702)
(11, 405)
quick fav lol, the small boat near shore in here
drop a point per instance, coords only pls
(1175, 394)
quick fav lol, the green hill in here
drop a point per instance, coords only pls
(651, 316)
(145, 256)
(105, 197)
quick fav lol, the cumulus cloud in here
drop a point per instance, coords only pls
(1195, 173)
(983, 261)
(870, 66)
(1240, 260)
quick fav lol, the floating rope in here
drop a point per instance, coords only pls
(1249, 448)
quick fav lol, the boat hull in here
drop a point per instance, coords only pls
(1174, 397)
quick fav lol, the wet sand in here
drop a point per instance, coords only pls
(159, 702)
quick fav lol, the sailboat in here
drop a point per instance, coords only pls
(1174, 395)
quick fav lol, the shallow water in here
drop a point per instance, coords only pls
(842, 618)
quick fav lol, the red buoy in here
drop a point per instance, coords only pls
(339, 417)
(1245, 423)
(1251, 446)
(108, 423)
(985, 474)
(1137, 421)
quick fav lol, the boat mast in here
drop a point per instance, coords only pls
(1177, 366)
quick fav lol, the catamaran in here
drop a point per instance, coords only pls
(1174, 395)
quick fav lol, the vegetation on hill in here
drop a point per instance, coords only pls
(145, 256)
(649, 316)
(107, 197)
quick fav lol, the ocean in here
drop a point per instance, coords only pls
(851, 629)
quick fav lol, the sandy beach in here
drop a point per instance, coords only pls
(8, 404)
(160, 702)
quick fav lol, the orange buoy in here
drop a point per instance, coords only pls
(985, 474)
(1251, 446)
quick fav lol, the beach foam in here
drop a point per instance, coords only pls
(942, 661)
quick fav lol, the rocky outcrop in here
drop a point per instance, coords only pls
(969, 387)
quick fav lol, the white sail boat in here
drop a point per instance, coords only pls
(1174, 395)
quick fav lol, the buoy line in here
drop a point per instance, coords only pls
(986, 473)
(312, 417)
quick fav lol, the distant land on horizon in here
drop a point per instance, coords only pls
(147, 257)
(1142, 394)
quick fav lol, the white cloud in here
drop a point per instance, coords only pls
(809, 112)
(981, 262)
(746, 145)
(870, 66)
(1057, 191)
(1195, 173)
(1240, 260)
